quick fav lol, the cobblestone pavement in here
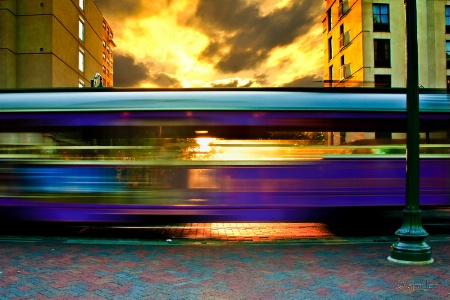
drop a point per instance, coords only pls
(251, 232)
(284, 261)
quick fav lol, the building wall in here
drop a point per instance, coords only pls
(397, 37)
(431, 41)
(359, 52)
(7, 43)
(34, 43)
(108, 49)
(39, 43)
(353, 41)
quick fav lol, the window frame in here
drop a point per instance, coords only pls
(447, 19)
(81, 29)
(81, 4)
(384, 80)
(447, 53)
(385, 60)
(81, 59)
(331, 75)
(330, 19)
(383, 25)
(330, 48)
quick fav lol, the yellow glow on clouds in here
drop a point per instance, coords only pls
(302, 58)
(159, 41)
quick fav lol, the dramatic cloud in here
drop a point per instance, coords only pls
(241, 37)
(128, 73)
(231, 82)
(307, 81)
(216, 43)
(122, 8)
(164, 80)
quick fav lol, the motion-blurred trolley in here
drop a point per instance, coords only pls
(110, 155)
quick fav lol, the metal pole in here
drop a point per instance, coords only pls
(411, 247)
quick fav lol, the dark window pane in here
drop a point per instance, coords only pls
(447, 15)
(330, 48)
(447, 19)
(383, 135)
(382, 81)
(447, 54)
(382, 53)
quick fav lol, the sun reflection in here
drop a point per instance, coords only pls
(204, 144)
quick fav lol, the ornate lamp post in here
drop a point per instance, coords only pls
(411, 247)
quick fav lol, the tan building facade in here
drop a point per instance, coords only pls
(49, 43)
(365, 43)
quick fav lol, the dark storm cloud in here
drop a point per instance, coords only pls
(231, 84)
(307, 81)
(121, 8)
(241, 37)
(164, 80)
(128, 72)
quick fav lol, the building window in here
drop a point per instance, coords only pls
(383, 81)
(447, 54)
(342, 71)
(81, 59)
(329, 19)
(81, 3)
(341, 37)
(383, 135)
(80, 83)
(330, 48)
(447, 19)
(380, 17)
(448, 83)
(382, 51)
(330, 75)
(81, 29)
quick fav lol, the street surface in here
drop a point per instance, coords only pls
(303, 260)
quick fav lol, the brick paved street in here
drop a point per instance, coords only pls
(254, 232)
(206, 262)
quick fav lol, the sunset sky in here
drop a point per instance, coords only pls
(216, 43)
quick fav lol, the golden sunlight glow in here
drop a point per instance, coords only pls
(204, 144)
(161, 38)
(168, 42)
(212, 149)
(301, 58)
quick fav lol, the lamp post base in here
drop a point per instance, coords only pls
(408, 262)
(411, 247)
(411, 252)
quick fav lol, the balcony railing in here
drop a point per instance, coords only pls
(342, 8)
(344, 72)
(344, 39)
